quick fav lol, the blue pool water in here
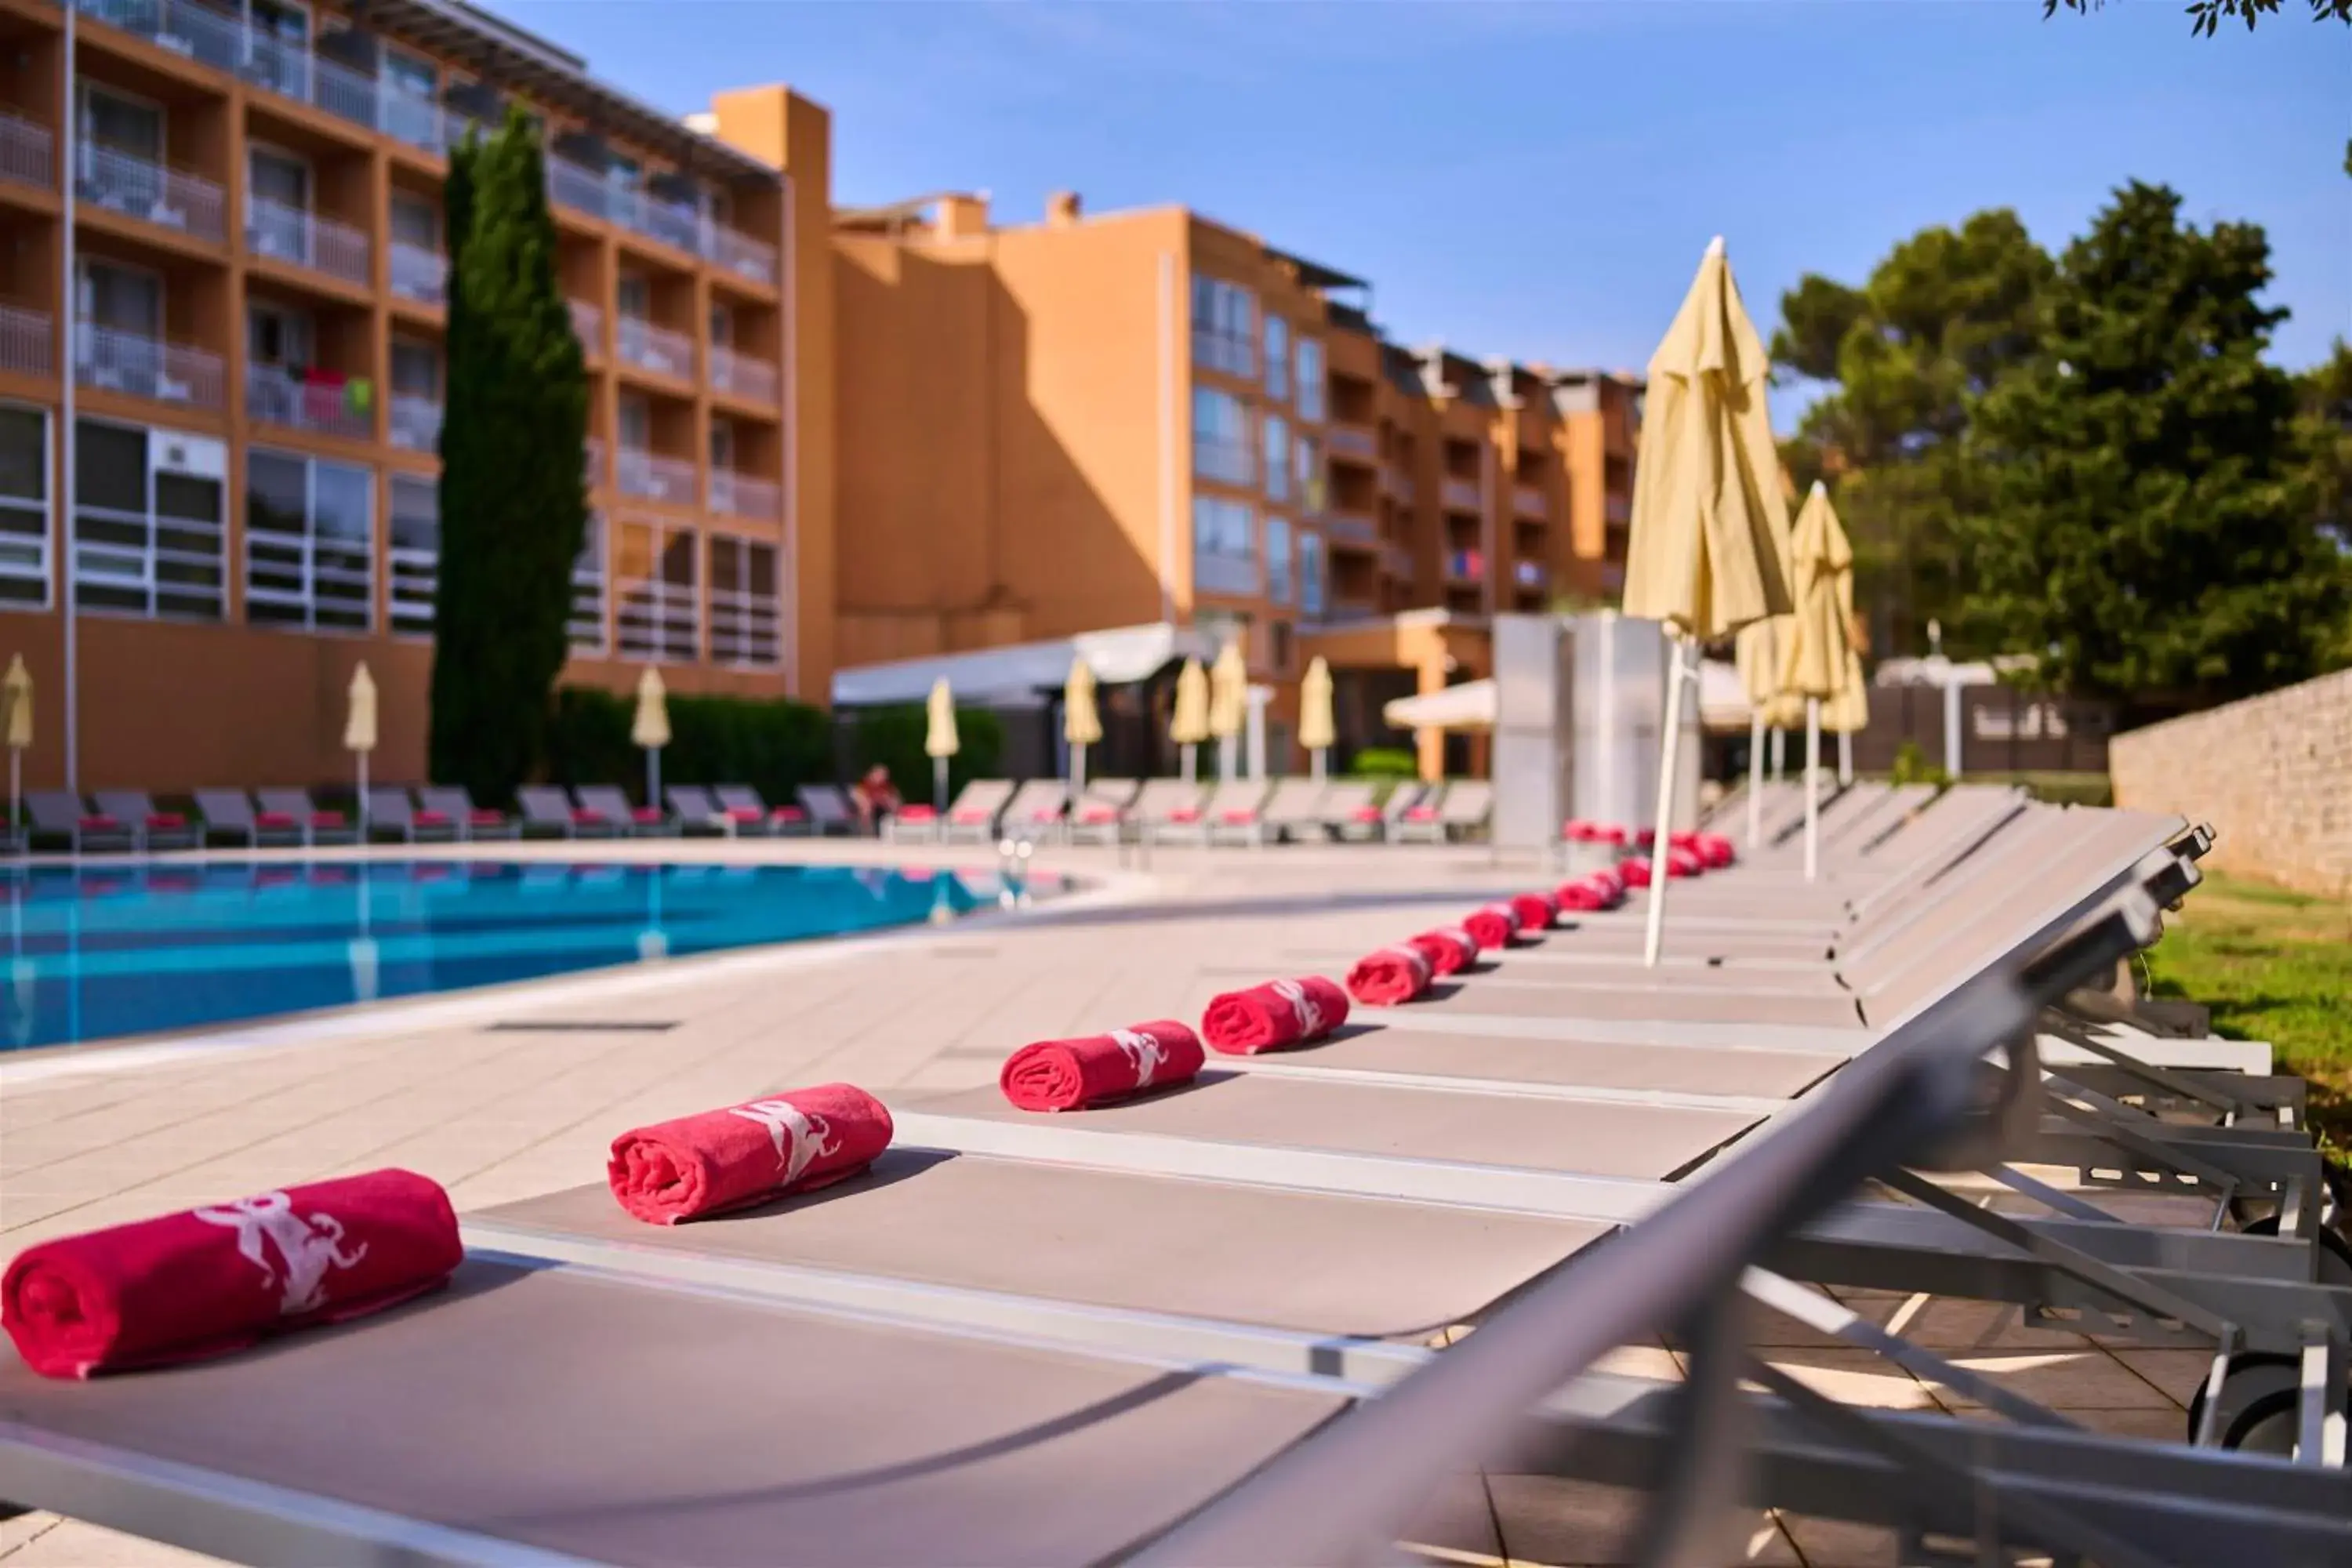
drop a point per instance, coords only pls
(129, 948)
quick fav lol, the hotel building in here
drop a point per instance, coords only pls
(220, 240)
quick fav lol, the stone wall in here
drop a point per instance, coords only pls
(2272, 774)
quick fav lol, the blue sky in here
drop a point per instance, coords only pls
(1537, 180)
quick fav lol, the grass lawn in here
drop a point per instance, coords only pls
(2277, 966)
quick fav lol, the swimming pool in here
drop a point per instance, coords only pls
(130, 948)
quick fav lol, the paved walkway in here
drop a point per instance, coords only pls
(452, 1088)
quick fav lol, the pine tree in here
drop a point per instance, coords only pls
(514, 506)
(2151, 534)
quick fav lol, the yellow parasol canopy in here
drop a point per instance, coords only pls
(941, 739)
(1315, 730)
(1189, 725)
(16, 703)
(359, 725)
(1848, 712)
(1081, 724)
(1813, 660)
(1704, 555)
(651, 727)
(1228, 692)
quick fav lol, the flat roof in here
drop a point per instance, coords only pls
(1315, 275)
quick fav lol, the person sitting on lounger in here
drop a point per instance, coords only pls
(875, 798)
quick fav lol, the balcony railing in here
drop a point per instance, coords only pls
(1233, 575)
(26, 154)
(277, 397)
(584, 190)
(1528, 501)
(641, 473)
(1351, 441)
(195, 31)
(593, 468)
(1397, 483)
(1232, 355)
(1396, 560)
(137, 365)
(588, 326)
(305, 239)
(415, 421)
(740, 495)
(743, 376)
(1459, 495)
(742, 255)
(657, 349)
(1351, 528)
(418, 274)
(25, 341)
(150, 192)
(415, 121)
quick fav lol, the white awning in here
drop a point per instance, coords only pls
(1469, 706)
(1018, 676)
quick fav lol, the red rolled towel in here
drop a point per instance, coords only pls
(647, 815)
(1269, 1017)
(1535, 911)
(583, 815)
(1392, 975)
(206, 1281)
(1684, 863)
(1714, 849)
(1421, 814)
(1580, 830)
(923, 814)
(166, 819)
(484, 816)
(792, 1142)
(1493, 926)
(1646, 837)
(1588, 894)
(1076, 1075)
(99, 824)
(1635, 870)
(785, 814)
(431, 819)
(326, 819)
(1450, 950)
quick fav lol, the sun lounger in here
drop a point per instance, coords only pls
(1100, 815)
(1423, 821)
(606, 802)
(390, 813)
(548, 810)
(1348, 810)
(971, 816)
(1034, 811)
(1404, 796)
(1293, 803)
(59, 813)
(154, 829)
(695, 810)
(294, 808)
(826, 809)
(1234, 801)
(228, 814)
(1165, 802)
(440, 806)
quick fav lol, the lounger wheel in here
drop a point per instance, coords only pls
(2260, 1398)
(2335, 1252)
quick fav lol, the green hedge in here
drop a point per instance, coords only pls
(893, 737)
(773, 746)
(1384, 762)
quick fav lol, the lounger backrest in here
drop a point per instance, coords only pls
(452, 801)
(1297, 800)
(1468, 801)
(1112, 792)
(605, 800)
(692, 801)
(1039, 800)
(981, 796)
(128, 806)
(1981, 877)
(1163, 798)
(825, 802)
(225, 808)
(390, 808)
(1342, 801)
(543, 804)
(1236, 795)
(55, 810)
(293, 802)
(738, 798)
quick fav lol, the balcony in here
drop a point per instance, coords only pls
(260, 57)
(1233, 357)
(740, 495)
(137, 365)
(1531, 575)
(306, 240)
(151, 193)
(1396, 560)
(24, 342)
(418, 274)
(1459, 495)
(415, 121)
(277, 397)
(26, 153)
(593, 468)
(1351, 528)
(656, 349)
(588, 326)
(1236, 575)
(745, 377)
(292, 70)
(415, 422)
(195, 31)
(641, 473)
(1397, 483)
(742, 255)
(1351, 441)
(1528, 501)
(1466, 566)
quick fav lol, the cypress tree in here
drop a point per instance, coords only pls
(514, 506)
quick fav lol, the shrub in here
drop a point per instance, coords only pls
(1384, 762)
(773, 746)
(1911, 766)
(893, 737)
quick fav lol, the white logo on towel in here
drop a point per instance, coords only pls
(1310, 1018)
(1414, 958)
(1144, 1049)
(307, 1247)
(800, 1138)
(1462, 940)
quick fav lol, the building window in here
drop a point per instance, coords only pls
(745, 619)
(1225, 326)
(1278, 641)
(1310, 379)
(1277, 443)
(1277, 560)
(416, 221)
(415, 571)
(149, 508)
(587, 628)
(1220, 437)
(1310, 575)
(1277, 359)
(1225, 547)
(310, 543)
(24, 509)
(654, 592)
(1306, 455)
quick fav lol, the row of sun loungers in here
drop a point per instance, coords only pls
(1238, 811)
(1212, 1315)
